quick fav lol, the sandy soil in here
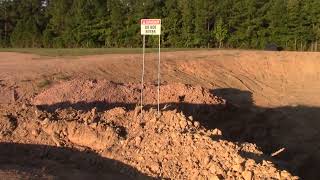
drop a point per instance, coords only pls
(259, 101)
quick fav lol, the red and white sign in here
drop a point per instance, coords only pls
(150, 26)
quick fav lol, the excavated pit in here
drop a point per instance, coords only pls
(230, 110)
(268, 99)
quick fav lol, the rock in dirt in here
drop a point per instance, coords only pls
(56, 139)
(214, 177)
(183, 124)
(237, 168)
(196, 124)
(7, 95)
(217, 132)
(45, 121)
(155, 167)
(35, 132)
(7, 124)
(138, 140)
(93, 138)
(206, 160)
(247, 175)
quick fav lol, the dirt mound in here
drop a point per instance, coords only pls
(172, 146)
(92, 93)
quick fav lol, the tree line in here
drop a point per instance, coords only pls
(291, 24)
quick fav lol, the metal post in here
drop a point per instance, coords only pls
(142, 78)
(159, 63)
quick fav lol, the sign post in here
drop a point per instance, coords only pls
(150, 27)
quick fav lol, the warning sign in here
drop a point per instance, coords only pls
(150, 26)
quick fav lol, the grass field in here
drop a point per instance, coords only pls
(88, 51)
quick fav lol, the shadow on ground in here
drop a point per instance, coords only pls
(297, 129)
(29, 161)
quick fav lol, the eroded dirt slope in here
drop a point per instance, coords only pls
(274, 78)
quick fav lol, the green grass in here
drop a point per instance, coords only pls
(89, 51)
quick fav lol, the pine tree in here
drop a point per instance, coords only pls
(116, 21)
(171, 24)
(292, 24)
(312, 11)
(58, 14)
(297, 31)
(278, 22)
(200, 23)
(3, 23)
(27, 32)
(187, 28)
(220, 32)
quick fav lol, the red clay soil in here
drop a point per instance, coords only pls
(274, 105)
(121, 144)
(274, 78)
(88, 91)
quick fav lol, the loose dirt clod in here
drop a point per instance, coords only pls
(100, 139)
(247, 175)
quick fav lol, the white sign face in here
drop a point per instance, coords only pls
(150, 26)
